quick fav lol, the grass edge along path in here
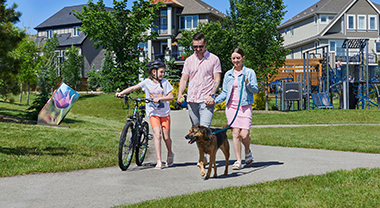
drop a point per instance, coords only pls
(342, 188)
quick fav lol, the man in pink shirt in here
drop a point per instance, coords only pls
(203, 71)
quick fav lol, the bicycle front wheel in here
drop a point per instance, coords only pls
(126, 146)
(142, 145)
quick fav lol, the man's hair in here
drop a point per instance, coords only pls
(199, 36)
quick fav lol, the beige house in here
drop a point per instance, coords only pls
(329, 23)
(178, 15)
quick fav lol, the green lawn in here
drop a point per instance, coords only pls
(357, 188)
(96, 121)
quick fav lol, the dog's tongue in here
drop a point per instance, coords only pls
(192, 140)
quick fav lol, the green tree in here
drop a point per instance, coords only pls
(10, 36)
(30, 61)
(220, 41)
(71, 68)
(47, 77)
(173, 73)
(93, 79)
(120, 30)
(49, 62)
(257, 21)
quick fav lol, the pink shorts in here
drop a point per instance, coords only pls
(157, 121)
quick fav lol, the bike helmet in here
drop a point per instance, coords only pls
(154, 65)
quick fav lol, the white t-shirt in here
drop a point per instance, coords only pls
(153, 90)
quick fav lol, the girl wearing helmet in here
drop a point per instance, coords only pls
(160, 90)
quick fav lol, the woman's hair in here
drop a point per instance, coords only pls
(239, 51)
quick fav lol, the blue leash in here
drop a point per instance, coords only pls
(241, 93)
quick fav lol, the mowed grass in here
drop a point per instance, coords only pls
(96, 121)
(91, 141)
(357, 188)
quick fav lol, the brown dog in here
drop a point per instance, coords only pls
(209, 143)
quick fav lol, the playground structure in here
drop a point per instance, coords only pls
(355, 84)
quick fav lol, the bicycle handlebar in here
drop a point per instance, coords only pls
(136, 99)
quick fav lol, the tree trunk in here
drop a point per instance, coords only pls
(20, 99)
(27, 94)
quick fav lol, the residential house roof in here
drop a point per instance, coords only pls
(336, 7)
(199, 7)
(169, 2)
(63, 17)
(323, 6)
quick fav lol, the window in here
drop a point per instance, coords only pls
(188, 22)
(372, 22)
(323, 19)
(291, 31)
(286, 31)
(377, 47)
(315, 20)
(351, 22)
(362, 23)
(164, 21)
(49, 33)
(332, 46)
(76, 31)
(291, 54)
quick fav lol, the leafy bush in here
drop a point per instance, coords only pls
(259, 103)
(173, 103)
(220, 106)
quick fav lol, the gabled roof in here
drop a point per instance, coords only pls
(63, 17)
(175, 2)
(192, 7)
(343, 11)
(323, 6)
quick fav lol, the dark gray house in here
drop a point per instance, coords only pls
(66, 25)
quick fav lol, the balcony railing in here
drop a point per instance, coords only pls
(162, 56)
(162, 30)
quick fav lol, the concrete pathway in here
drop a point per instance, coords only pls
(108, 187)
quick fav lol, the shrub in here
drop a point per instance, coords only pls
(220, 106)
(259, 103)
(173, 103)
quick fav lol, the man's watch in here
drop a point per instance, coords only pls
(212, 95)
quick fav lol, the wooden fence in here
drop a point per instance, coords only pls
(294, 68)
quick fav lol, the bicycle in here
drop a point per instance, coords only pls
(135, 135)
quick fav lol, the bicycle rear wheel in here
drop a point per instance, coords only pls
(142, 145)
(126, 146)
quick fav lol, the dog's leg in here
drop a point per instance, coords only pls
(226, 151)
(201, 162)
(212, 163)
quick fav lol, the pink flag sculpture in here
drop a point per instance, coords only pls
(58, 105)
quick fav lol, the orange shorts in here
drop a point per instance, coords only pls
(156, 121)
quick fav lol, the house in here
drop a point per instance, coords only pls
(66, 25)
(178, 15)
(329, 23)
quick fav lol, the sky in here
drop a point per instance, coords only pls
(34, 12)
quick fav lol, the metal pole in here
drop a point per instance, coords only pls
(348, 83)
(301, 93)
(367, 101)
(328, 70)
(308, 83)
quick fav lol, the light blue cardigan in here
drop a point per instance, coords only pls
(248, 89)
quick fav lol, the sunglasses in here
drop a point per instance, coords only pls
(200, 47)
